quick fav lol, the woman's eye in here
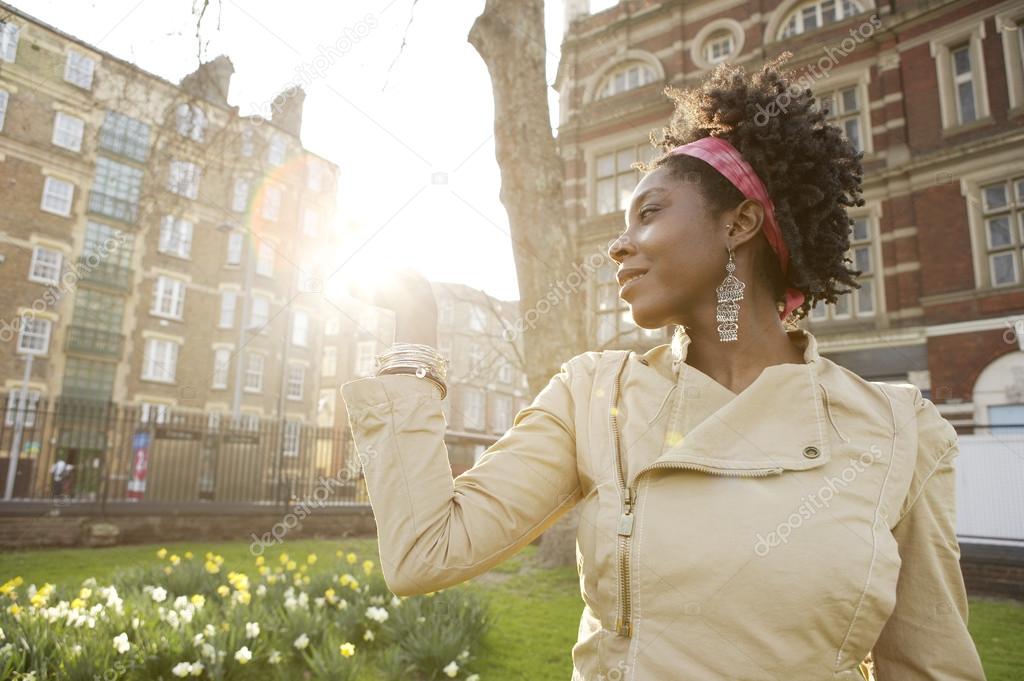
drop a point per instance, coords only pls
(645, 211)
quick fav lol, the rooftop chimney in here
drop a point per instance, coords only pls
(286, 109)
(211, 80)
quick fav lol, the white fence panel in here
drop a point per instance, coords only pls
(990, 488)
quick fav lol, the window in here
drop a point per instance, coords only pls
(613, 320)
(859, 302)
(625, 78)
(240, 195)
(175, 236)
(818, 13)
(615, 179)
(254, 373)
(221, 365)
(501, 413)
(79, 69)
(300, 328)
(846, 113)
(28, 407)
(68, 131)
(963, 84)
(115, 190)
(247, 147)
(160, 360)
(98, 310)
(4, 96)
(168, 297)
(1002, 206)
(277, 149)
(365, 360)
(310, 222)
(718, 47)
(183, 179)
(446, 313)
(8, 41)
(190, 121)
(314, 175)
(473, 409)
(150, 412)
(272, 203)
(111, 249)
(292, 431)
(259, 315)
(295, 382)
(477, 318)
(505, 373)
(34, 335)
(124, 135)
(57, 196)
(265, 260)
(329, 367)
(227, 309)
(86, 378)
(234, 256)
(46, 265)
(332, 326)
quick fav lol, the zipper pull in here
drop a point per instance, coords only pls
(626, 519)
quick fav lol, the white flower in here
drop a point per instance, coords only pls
(421, 618)
(302, 641)
(209, 652)
(180, 602)
(451, 669)
(243, 655)
(136, 622)
(197, 668)
(252, 629)
(368, 636)
(376, 614)
(463, 655)
(319, 601)
(159, 594)
(261, 590)
(76, 649)
(121, 644)
(396, 601)
(275, 657)
(182, 669)
(377, 600)
(209, 631)
(473, 677)
(197, 639)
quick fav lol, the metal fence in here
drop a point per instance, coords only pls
(91, 453)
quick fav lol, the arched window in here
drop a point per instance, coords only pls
(626, 77)
(719, 46)
(818, 13)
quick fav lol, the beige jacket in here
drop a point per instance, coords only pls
(780, 533)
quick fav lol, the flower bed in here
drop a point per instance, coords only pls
(191, 617)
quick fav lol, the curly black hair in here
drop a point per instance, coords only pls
(812, 173)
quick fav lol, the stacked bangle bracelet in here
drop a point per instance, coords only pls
(419, 360)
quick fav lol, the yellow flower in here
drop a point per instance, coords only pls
(175, 559)
(14, 609)
(311, 558)
(10, 585)
(260, 561)
(243, 597)
(198, 600)
(225, 626)
(347, 649)
(161, 554)
(168, 569)
(367, 566)
(355, 585)
(283, 558)
(351, 558)
(77, 603)
(223, 590)
(212, 567)
(338, 553)
(85, 593)
(290, 566)
(188, 555)
(345, 579)
(264, 570)
(209, 556)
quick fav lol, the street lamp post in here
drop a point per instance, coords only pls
(19, 424)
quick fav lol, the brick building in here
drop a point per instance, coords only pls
(144, 223)
(932, 93)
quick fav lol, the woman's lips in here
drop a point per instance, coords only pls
(628, 286)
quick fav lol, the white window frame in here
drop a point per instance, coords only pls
(365, 357)
(46, 266)
(234, 253)
(31, 407)
(272, 199)
(154, 412)
(262, 304)
(34, 335)
(838, 83)
(9, 34)
(68, 131)
(56, 189)
(640, 152)
(255, 363)
(160, 352)
(314, 175)
(941, 47)
(168, 298)
(295, 383)
(247, 145)
(796, 17)
(722, 38)
(474, 412)
(176, 237)
(240, 195)
(850, 309)
(292, 435)
(329, 362)
(300, 328)
(277, 149)
(79, 69)
(221, 367)
(227, 310)
(183, 179)
(265, 259)
(5, 97)
(190, 121)
(1010, 25)
(645, 74)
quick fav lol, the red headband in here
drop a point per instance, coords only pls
(724, 158)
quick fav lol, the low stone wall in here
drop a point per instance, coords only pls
(993, 570)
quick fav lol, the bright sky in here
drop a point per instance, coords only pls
(389, 131)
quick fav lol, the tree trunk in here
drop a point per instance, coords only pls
(509, 36)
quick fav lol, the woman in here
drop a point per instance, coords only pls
(749, 509)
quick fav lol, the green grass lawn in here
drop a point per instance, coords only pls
(536, 611)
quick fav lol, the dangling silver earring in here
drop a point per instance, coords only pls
(730, 293)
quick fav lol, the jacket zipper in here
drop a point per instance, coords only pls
(623, 622)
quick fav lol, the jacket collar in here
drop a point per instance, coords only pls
(777, 422)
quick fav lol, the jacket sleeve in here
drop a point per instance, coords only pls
(435, 531)
(926, 637)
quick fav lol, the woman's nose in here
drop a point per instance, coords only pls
(619, 246)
